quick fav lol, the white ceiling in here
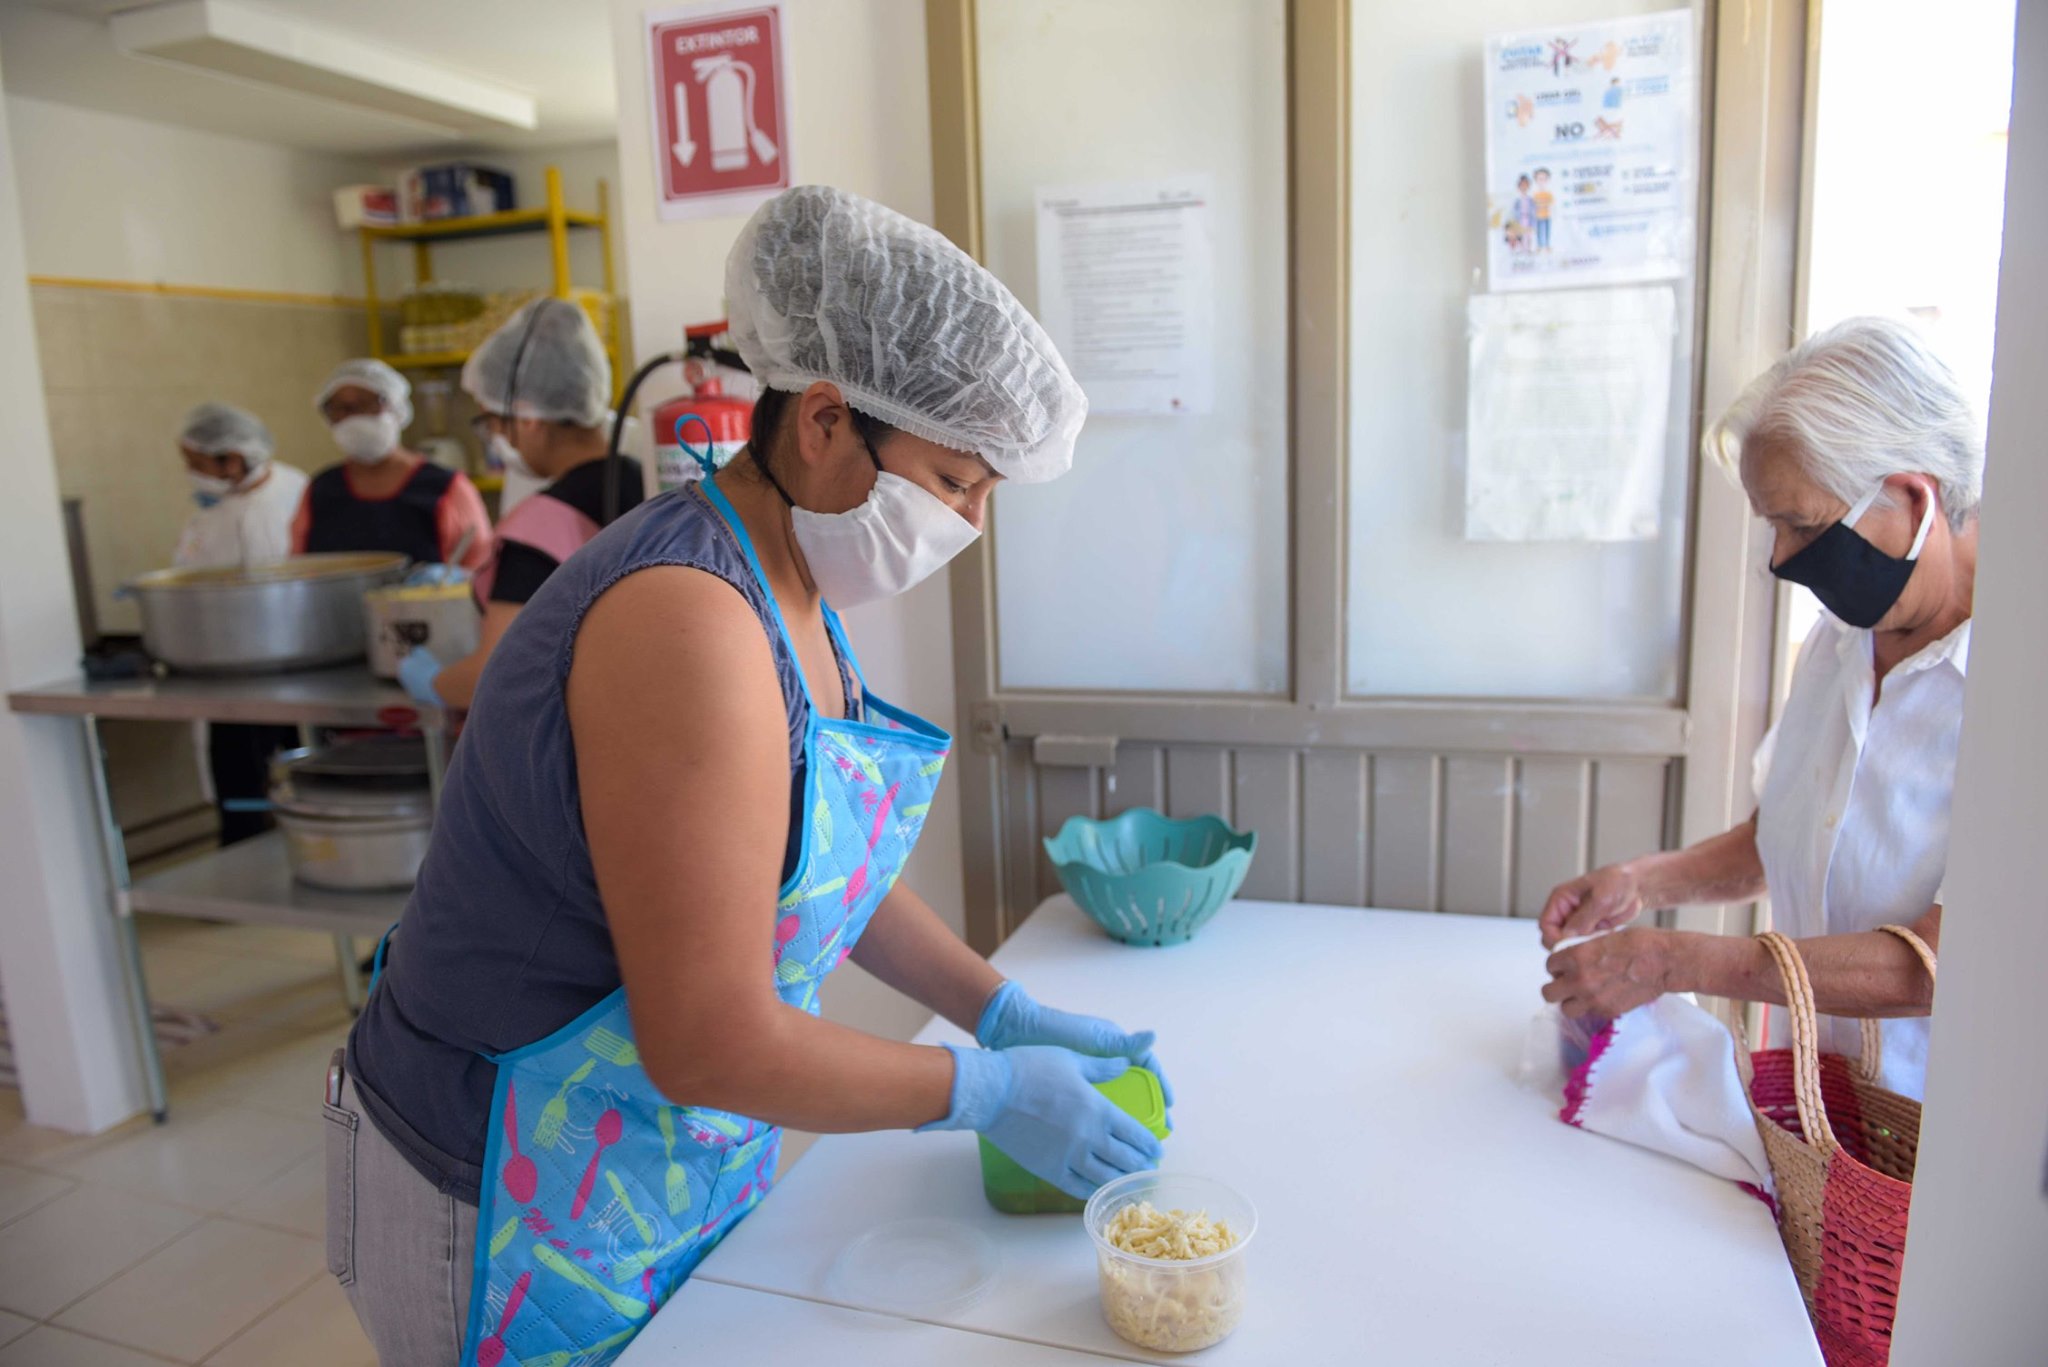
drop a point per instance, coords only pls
(558, 51)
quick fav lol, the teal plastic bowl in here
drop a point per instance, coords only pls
(1147, 879)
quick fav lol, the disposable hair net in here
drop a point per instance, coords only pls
(546, 362)
(824, 285)
(373, 375)
(219, 429)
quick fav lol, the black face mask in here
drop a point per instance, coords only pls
(1853, 579)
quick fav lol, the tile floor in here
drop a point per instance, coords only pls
(198, 1241)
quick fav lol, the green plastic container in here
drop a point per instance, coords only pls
(1148, 879)
(1014, 1191)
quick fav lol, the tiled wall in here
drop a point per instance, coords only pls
(120, 369)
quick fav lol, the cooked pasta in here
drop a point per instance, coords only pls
(1150, 1297)
(1175, 1235)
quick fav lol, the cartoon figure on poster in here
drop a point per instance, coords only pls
(1590, 150)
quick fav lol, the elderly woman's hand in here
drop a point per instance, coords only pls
(1614, 973)
(1590, 903)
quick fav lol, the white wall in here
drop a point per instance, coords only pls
(1978, 1244)
(114, 198)
(860, 120)
(60, 966)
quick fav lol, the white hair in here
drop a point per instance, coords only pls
(1861, 401)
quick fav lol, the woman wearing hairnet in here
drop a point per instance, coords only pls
(244, 517)
(544, 387)
(245, 499)
(677, 810)
(384, 497)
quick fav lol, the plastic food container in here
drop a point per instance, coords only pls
(1172, 1307)
(1013, 1190)
(1148, 879)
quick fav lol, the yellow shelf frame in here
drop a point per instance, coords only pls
(554, 218)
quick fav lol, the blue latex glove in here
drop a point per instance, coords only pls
(417, 672)
(436, 575)
(1012, 1018)
(1039, 1105)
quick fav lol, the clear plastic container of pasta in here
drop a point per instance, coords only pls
(1173, 1304)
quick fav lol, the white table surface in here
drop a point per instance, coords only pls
(707, 1322)
(1353, 1073)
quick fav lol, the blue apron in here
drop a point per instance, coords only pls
(599, 1196)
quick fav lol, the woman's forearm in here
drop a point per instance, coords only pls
(908, 947)
(791, 1068)
(1722, 868)
(1867, 973)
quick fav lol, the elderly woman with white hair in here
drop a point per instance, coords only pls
(1860, 452)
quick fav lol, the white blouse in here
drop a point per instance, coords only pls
(1853, 807)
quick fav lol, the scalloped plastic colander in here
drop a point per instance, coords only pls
(1148, 879)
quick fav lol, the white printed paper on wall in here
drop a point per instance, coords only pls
(1126, 289)
(1590, 149)
(1567, 412)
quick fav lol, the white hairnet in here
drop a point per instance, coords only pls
(823, 285)
(380, 379)
(219, 429)
(546, 362)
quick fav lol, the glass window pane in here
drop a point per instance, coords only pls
(1160, 562)
(1431, 611)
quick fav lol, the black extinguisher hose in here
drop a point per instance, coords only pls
(611, 455)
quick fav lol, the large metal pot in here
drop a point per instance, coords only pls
(357, 815)
(299, 613)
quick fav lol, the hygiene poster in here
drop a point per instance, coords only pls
(721, 109)
(1591, 143)
(1567, 412)
(1126, 290)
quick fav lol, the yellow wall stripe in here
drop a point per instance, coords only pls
(338, 301)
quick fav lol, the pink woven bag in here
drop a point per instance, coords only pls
(1841, 1150)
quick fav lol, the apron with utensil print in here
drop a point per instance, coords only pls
(600, 1196)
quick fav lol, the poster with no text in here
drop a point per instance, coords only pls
(720, 103)
(1591, 145)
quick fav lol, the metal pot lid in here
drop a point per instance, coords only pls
(343, 802)
(298, 568)
(363, 759)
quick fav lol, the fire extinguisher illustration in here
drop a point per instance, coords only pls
(729, 109)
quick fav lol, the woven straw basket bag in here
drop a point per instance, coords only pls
(1841, 1150)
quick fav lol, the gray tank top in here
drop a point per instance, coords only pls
(504, 940)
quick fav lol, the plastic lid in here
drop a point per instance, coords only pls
(1138, 1093)
(915, 1267)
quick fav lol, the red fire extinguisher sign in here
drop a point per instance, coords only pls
(721, 109)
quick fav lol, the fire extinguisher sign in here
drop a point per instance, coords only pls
(721, 108)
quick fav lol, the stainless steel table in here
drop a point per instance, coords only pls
(249, 881)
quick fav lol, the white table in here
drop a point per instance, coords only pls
(757, 1327)
(1353, 1073)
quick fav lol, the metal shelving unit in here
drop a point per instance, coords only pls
(252, 882)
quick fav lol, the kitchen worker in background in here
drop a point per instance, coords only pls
(1860, 451)
(544, 387)
(384, 497)
(675, 810)
(244, 517)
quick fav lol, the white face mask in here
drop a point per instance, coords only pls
(367, 437)
(508, 456)
(208, 490)
(890, 543)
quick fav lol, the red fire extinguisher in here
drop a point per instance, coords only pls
(699, 431)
